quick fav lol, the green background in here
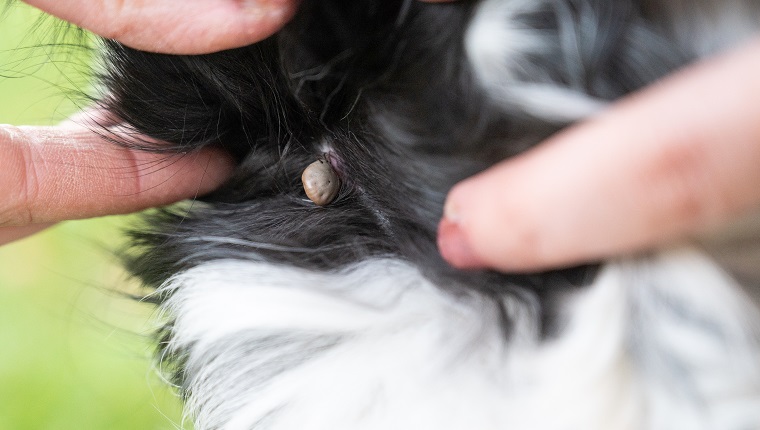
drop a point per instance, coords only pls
(74, 353)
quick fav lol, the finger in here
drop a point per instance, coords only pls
(10, 234)
(177, 27)
(675, 159)
(51, 174)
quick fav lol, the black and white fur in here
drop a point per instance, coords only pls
(284, 315)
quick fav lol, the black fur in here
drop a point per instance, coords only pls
(387, 85)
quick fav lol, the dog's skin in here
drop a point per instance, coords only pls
(281, 314)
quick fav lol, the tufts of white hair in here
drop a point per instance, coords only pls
(662, 342)
(501, 50)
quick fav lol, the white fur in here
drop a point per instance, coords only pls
(660, 343)
(499, 48)
(377, 346)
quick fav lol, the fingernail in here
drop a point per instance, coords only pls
(454, 246)
(267, 8)
(451, 211)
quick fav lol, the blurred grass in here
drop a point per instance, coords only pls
(74, 354)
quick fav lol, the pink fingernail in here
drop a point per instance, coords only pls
(454, 247)
(267, 5)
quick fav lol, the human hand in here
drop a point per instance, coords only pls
(56, 173)
(176, 27)
(673, 160)
(72, 171)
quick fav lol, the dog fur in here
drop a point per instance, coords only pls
(283, 315)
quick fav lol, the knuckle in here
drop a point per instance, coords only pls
(22, 181)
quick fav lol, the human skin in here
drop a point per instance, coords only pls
(670, 161)
(674, 160)
(176, 27)
(52, 174)
(71, 172)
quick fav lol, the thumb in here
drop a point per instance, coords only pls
(676, 159)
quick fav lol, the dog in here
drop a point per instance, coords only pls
(286, 311)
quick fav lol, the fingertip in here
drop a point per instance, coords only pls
(454, 246)
(171, 27)
(255, 20)
(216, 26)
(490, 222)
(454, 239)
(216, 165)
